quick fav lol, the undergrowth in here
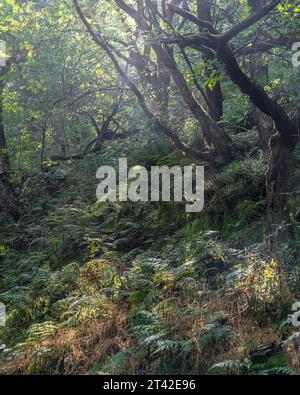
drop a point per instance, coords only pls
(97, 288)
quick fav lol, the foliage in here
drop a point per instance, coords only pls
(145, 288)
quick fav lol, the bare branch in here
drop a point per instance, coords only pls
(251, 20)
(205, 156)
(192, 18)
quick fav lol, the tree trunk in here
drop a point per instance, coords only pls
(281, 147)
(8, 205)
(214, 94)
(260, 72)
(278, 175)
(264, 124)
(213, 134)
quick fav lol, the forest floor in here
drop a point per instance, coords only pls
(93, 288)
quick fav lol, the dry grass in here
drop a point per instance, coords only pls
(74, 351)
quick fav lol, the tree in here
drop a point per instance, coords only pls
(213, 43)
(8, 204)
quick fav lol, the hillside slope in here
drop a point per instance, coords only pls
(94, 288)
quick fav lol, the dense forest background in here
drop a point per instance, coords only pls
(113, 288)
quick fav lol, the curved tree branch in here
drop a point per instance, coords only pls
(205, 156)
(250, 21)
